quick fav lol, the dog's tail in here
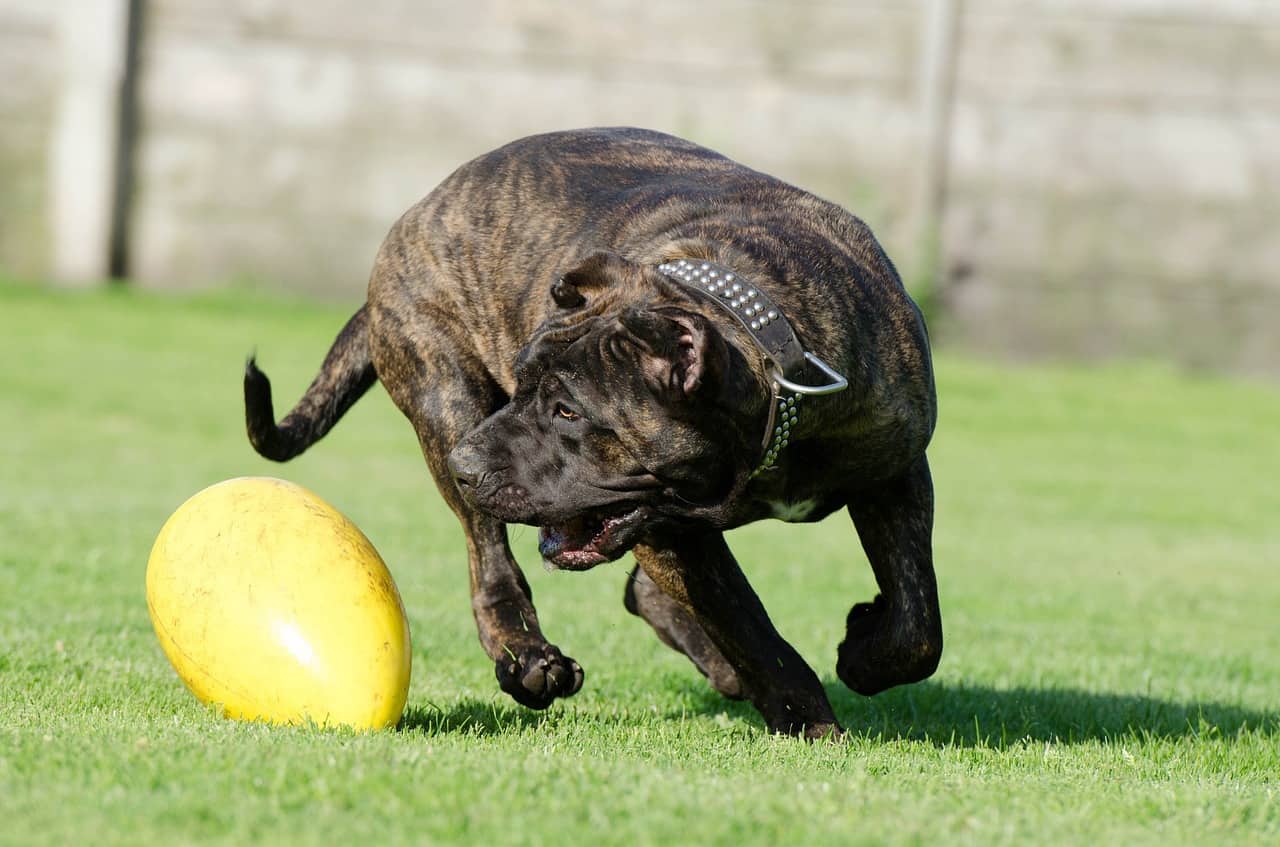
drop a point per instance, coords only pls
(347, 373)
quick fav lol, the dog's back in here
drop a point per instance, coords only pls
(489, 241)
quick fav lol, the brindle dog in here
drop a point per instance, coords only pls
(556, 377)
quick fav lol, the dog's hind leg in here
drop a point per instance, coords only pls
(896, 638)
(445, 392)
(677, 629)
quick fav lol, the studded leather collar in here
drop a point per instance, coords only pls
(772, 333)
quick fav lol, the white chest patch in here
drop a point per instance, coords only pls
(792, 512)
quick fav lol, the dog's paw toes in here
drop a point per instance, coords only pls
(831, 733)
(861, 675)
(819, 730)
(535, 676)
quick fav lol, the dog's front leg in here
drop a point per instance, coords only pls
(896, 638)
(528, 668)
(446, 393)
(698, 571)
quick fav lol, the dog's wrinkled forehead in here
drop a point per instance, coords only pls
(545, 347)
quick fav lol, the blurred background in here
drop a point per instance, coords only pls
(1063, 178)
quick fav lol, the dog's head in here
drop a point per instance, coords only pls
(631, 415)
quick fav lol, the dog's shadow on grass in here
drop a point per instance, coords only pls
(472, 717)
(933, 712)
(981, 716)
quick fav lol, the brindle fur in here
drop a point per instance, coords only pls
(528, 279)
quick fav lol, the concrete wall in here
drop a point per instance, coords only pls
(30, 70)
(1100, 176)
(283, 138)
(1115, 180)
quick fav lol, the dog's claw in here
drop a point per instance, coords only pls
(537, 675)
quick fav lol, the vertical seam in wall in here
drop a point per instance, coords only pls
(940, 51)
(126, 141)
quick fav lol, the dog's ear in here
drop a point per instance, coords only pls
(680, 351)
(597, 271)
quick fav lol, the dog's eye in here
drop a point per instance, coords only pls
(565, 412)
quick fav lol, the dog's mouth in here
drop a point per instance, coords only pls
(588, 540)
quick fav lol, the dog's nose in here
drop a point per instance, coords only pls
(466, 468)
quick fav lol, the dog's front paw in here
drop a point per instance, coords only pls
(534, 676)
(882, 649)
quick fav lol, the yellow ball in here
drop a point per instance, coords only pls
(270, 602)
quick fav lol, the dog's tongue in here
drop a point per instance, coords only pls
(564, 538)
(568, 544)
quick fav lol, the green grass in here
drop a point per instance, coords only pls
(1107, 545)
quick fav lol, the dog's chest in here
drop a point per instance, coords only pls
(807, 485)
(793, 511)
(796, 503)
